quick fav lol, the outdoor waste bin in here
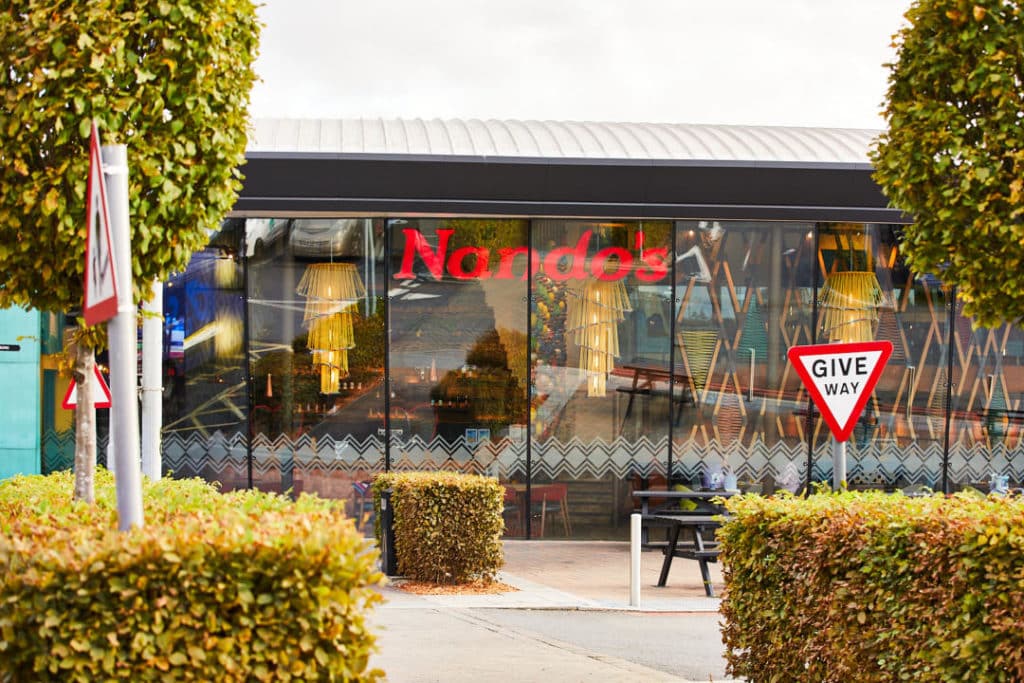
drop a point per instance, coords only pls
(388, 560)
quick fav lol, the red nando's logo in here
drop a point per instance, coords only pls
(561, 263)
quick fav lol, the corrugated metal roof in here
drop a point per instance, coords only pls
(563, 140)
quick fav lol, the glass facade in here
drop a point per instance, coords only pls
(576, 360)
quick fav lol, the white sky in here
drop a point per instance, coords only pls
(758, 62)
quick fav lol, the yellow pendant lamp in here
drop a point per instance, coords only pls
(593, 322)
(850, 301)
(333, 291)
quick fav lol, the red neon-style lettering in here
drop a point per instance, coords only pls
(619, 255)
(655, 267)
(416, 244)
(479, 270)
(508, 256)
(577, 258)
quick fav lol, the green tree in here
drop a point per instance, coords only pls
(171, 81)
(953, 152)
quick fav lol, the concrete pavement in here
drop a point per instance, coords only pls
(568, 620)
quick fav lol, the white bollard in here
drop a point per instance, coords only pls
(634, 560)
(152, 391)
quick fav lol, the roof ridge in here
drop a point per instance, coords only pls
(509, 137)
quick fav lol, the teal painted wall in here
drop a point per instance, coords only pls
(19, 392)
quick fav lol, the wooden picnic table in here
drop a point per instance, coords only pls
(705, 506)
(703, 548)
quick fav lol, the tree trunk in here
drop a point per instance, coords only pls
(85, 425)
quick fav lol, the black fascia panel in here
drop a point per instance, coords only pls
(317, 182)
(325, 178)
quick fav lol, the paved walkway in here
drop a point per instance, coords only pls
(582, 575)
(569, 620)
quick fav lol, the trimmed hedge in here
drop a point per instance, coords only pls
(226, 587)
(448, 526)
(874, 587)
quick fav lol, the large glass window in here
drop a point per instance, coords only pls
(205, 406)
(575, 360)
(987, 406)
(744, 294)
(603, 400)
(317, 312)
(458, 352)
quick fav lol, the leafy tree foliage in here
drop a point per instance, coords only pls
(953, 153)
(171, 80)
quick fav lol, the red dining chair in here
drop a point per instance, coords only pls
(553, 497)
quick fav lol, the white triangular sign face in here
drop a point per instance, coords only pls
(100, 401)
(100, 300)
(840, 379)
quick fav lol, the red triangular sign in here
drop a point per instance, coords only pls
(103, 401)
(840, 379)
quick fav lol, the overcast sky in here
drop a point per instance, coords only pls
(767, 62)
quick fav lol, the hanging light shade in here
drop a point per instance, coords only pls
(332, 292)
(850, 301)
(593, 322)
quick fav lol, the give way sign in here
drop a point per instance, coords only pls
(840, 379)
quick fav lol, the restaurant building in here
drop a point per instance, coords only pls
(579, 309)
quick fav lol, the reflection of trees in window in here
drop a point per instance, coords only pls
(286, 384)
(366, 360)
(656, 233)
(484, 392)
(489, 233)
(283, 381)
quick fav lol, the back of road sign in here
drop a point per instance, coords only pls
(99, 302)
(840, 379)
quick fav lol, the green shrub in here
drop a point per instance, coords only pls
(216, 587)
(874, 587)
(448, 526)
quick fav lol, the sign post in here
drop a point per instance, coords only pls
(122, 334)
(840, 379)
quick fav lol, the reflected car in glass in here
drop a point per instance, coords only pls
(326, 237)
(264, 235)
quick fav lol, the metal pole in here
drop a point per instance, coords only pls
(750, 381)
(814, 340)
(949, 387)
(673, 299)
(634, 560)
(122, 333)
(386, 381)
(838, 464)
(776, 297)
(152, 391)
(530, 381)
(248, 367)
